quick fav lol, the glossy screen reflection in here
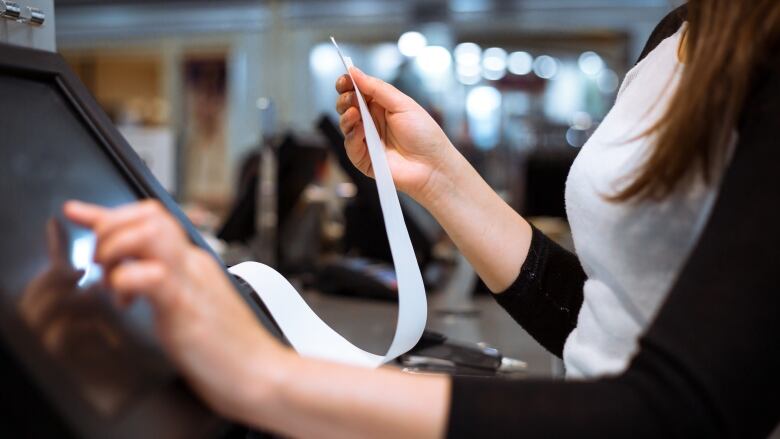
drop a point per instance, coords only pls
(54, 313)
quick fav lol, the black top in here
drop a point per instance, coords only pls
(709, 365)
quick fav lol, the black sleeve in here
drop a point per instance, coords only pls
(709, 365)
(547, 295)
(666, 28)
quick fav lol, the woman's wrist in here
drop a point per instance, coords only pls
(442, 182)
(478, 221)
(268, 374)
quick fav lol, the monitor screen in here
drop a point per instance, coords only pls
(100, 365)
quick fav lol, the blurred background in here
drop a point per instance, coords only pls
(231, 104)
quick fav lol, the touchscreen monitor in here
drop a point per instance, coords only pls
(99, 368)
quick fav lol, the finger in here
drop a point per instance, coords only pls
(348, 120)
(140, 240)
(346, 101)
(84, 214)
(35, 308)
(383, 93)
(355, 140)
(127, 215)
(54, 241)
(344, 84)
(103, 221)
(357, 150)
(148, 279)
(378, 114)
(41, 299)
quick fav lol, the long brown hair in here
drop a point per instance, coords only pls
(726, 42)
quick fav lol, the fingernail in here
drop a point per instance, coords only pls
(71, 204)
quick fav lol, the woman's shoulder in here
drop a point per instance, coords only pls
(666, 28)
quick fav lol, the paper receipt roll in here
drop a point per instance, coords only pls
(307, 333)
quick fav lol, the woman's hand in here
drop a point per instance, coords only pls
(204, 325)
(418, 151)
(425, 165)
(236, 366)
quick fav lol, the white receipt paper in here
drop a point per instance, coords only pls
(306, 332)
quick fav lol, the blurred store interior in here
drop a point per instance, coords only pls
(232, 105)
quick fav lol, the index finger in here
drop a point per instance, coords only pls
(104, 221)
(84, 214)
(344, 84)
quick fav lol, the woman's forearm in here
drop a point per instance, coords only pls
(493, 237)
(315, 398)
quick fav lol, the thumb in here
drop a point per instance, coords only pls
(381, 92)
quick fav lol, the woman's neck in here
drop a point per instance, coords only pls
(682, 50)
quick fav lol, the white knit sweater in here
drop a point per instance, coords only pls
(631, 253)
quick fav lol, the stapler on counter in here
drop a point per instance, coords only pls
(435, 353)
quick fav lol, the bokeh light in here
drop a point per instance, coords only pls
(468, 54)
(324, 59)
(412, 43)
(520, 63)
(494, 63)
(434, 60)
(608, 81)
(546, 67)
(591, 63)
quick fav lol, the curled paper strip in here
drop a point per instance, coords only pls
(307, 333)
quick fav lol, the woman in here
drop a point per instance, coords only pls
(672, 289)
